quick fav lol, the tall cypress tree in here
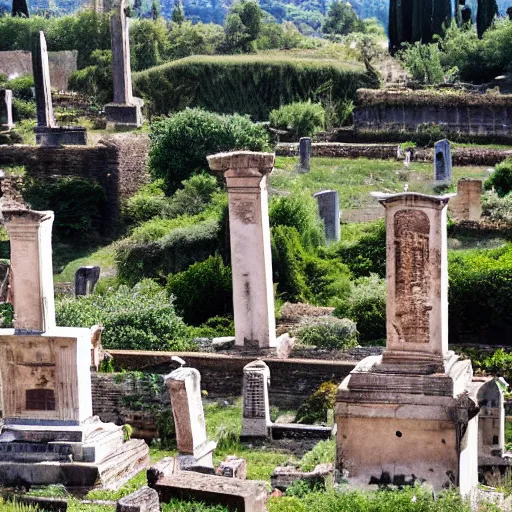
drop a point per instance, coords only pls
(400, 23)
(487, 10)
(20, 8)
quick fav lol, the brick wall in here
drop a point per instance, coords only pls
(118, 164)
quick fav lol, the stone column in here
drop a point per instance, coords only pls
(31, 269)
(417, 280)
(41, 70)
(443, 161)
(305, 154)
(7, 119)
(468, 203)
(329, 210)
(184, 385)
(253, 294)
(256, 409)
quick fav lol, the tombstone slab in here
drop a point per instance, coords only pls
(467, 206)
(253, 292)
(256, 422)
(329, 210)
(407, 415)
(305, 154)
(6, 119)
(86, 279)
(443, 161)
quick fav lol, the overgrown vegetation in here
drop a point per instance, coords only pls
(303, 119)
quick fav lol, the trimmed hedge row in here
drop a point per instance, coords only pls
(431, 98)
(248, 84)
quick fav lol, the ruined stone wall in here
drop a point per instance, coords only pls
(62, 65)
(117, 164)
(471, 120)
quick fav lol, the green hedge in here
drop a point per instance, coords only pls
(248, 84)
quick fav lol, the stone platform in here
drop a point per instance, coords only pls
(61, 136)
(124, 116)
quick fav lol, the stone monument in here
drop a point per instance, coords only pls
(86, 279)
(305, 154)
(468, 203)
(6, 120)
(251, 260)
(329, 210)
(443, 161)
(184, 385)
(49, 435)
(126, 110)
(407, 415)
(256, 422)
(47, 132)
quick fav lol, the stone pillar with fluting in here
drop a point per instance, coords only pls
(31, 276)
(409, 415)
(184, 385)
(256, 409)
(251, 260)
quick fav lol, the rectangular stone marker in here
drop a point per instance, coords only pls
(442, 161)
(142, 500)
(329, 210)
(468, 203)
(255, 408)
(125, 110)
(408, 414)
(251, 259)
(86, 279)
(6, 119)
(305, 154)
(184, 385)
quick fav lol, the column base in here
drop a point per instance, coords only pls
(125, 117)
(61, 136)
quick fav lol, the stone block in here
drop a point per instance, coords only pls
(329, 210)
(124, 116)
(61, 136)
(236, 495)
(233, 467)
(284, 476)
(166, 467)
(143, 500)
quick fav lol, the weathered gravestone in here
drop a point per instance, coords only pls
(251, 260)
(305, 154)
(86, 279)
(49, 434)
(468, 203)
(407, 415)
(255, 408)
(329, 210)
(6, 120)
(184, 385)
(443, 161)
(47, 132)
(126, 110)
(142, 500)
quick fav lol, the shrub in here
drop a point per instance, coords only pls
(315, 408)
(328, 332)
(181, 143)
(78, 205)
(304, 119)
(501, 179)
(22, 109)
(423, 61)
(214, 83)
(194, 39)
(299, 212)
(365, 256)
(366, 306)
(214, 327)
(147, 203)
(148, 43)
(21, 87)
(172, 253)
(203, 291)
(497, 209)
(140, 318)
(322, 453)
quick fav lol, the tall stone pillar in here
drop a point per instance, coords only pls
(30, 235)
(256, 409)
(408, 415)
(184, 385)
(253, 294)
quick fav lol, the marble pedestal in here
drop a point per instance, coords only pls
(399, 428)
(49, 434)
(124, 116)
(61, 136)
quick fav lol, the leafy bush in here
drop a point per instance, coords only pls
(140, 318)
(328, 332)
(366, 305)
(176, 505)
(214, 327)
(13, 506)
(299, 212)
(299, 488)
(323, 452)
(501, 179)
(423, 62)
(365, 256)
(78, 205)
(213, 83)
(315, 407)
(202, 291)
(148, 43)
(194, 39)
(21, 87)
(480, 295)
(23, 109)
(304, 119)
(181, 143)
(149, 202)
(496, 208)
